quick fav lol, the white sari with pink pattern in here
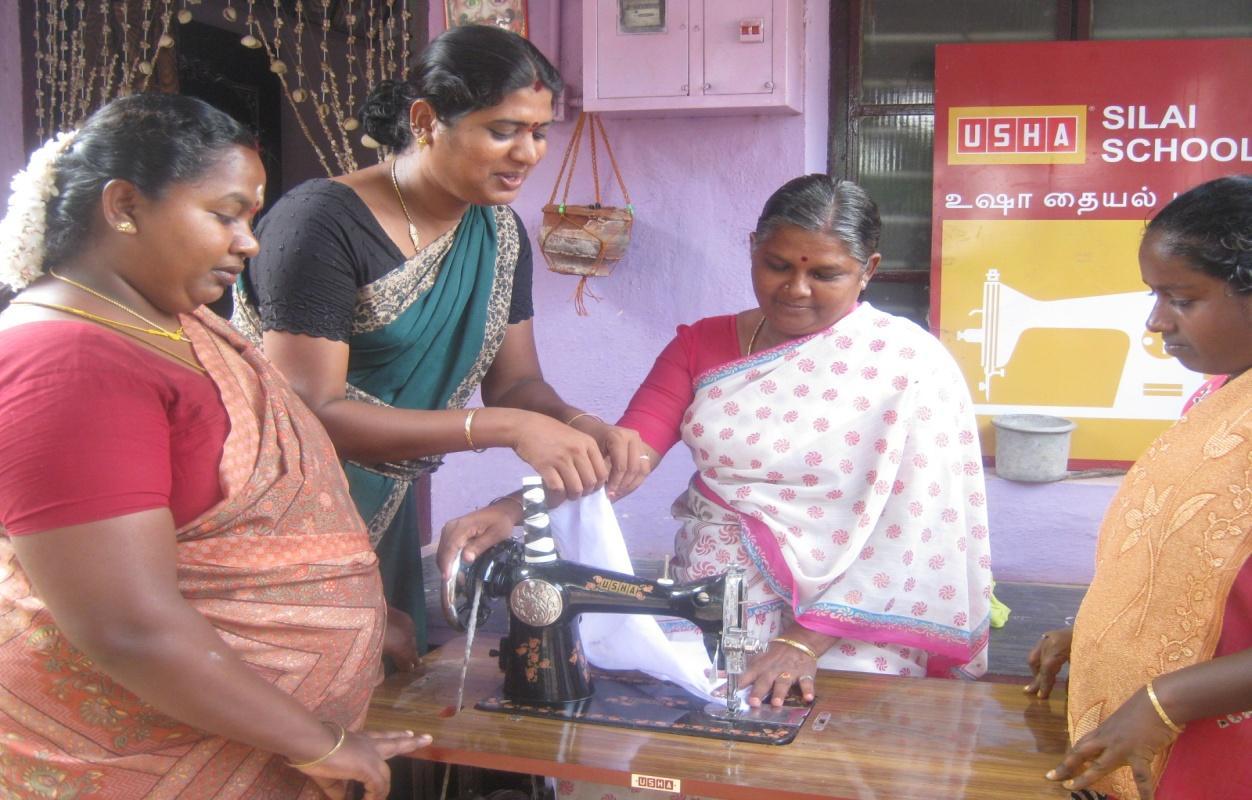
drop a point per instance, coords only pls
(843, 471)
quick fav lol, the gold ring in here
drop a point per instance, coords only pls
(785, 675)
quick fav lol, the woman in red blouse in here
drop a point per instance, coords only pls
(190, 604)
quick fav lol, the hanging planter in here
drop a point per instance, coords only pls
(585, 240)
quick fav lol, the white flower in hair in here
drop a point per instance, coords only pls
(23, 227)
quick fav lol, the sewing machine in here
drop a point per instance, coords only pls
(546, 671)
(1152, 383)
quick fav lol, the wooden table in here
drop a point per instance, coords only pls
(898, 738)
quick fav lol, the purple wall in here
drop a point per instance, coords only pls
(12, 153)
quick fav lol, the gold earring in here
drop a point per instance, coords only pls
(422, 139)
(125, 226)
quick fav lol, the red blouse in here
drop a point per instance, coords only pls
(656, 411)
(94, 426)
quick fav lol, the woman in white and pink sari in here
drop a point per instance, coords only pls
(837, 459)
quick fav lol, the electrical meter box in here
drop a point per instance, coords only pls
(693, 56)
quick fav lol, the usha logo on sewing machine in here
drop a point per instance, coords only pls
(672, 785)
(1017, 135)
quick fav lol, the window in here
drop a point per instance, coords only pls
(882, 97)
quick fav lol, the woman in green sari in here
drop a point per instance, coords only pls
(389, 295)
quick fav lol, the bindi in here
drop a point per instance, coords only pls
(804, 258)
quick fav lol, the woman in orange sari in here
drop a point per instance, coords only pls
(189, 605)
(1160, 689)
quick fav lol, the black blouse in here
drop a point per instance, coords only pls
(319, 245)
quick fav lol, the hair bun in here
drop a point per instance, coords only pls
(385, 114)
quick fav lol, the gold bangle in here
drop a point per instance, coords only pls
(801, 646)
(469, 439)
(343, 737)
(1160, 712)
(581, 414)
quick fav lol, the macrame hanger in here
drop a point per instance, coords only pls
(593, 125)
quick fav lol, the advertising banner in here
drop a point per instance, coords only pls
(1049, 159)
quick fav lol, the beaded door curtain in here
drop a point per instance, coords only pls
(326, 55)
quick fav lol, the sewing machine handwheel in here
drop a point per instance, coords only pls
(458, 596)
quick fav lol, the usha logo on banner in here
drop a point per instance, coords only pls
(1017, 135)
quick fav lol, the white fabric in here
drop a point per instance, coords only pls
(586, 531)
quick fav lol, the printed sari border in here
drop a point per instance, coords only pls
(839, 620)
(508, 250)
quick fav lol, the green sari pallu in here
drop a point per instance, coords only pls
(423, 336)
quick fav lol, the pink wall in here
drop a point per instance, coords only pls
(697, 184)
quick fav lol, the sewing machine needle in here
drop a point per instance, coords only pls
(469, 644)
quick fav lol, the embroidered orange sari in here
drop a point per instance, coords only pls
(1171, 545)
(282, 568)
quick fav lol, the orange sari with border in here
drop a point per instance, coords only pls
(1171, 546)
(281, 567)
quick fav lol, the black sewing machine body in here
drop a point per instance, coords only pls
(542, 656)
(546, 673)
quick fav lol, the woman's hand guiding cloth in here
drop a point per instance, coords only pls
(789, 661)
(630, 460)
(572, 463)
(569, 461)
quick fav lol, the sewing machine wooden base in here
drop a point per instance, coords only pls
(641, 702)
(897, 738)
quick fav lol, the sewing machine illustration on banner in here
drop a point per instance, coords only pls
(1152, 383)
(546, 672)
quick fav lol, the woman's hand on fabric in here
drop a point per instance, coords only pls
(568, 461)
(1046, 658)
(773, 673)
(400, 640)
(630, 460)
(1132, 736)
(363, 758)
(471, 534)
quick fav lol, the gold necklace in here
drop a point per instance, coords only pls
(121, 327)
(752, 341)
(154, 329)
(413, 237)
